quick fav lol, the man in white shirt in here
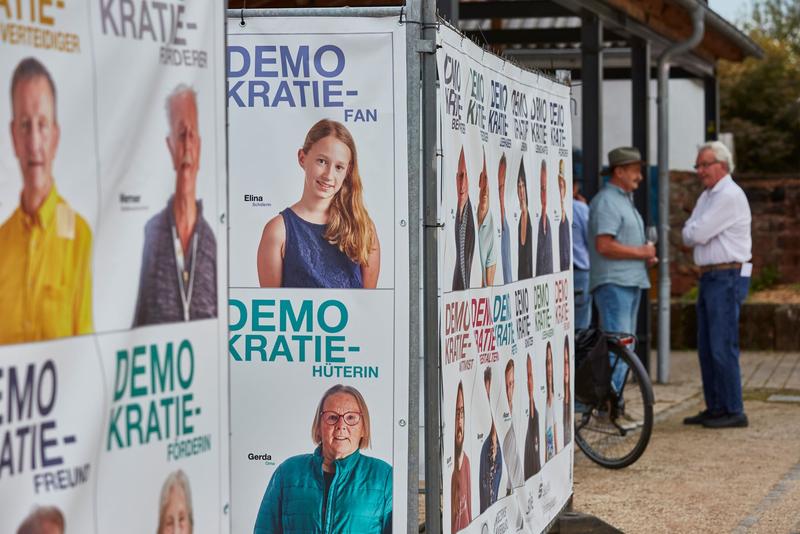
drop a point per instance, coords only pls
(719, 231)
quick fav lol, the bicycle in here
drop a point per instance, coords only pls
(612, 427)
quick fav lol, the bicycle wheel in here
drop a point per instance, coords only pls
(616, 434)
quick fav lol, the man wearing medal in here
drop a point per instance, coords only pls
(178, 280)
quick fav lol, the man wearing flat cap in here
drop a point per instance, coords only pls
(619, 254)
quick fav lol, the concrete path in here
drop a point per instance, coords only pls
(693, 479)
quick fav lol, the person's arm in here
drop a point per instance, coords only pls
(387, 505)
(613, 249)
(555, 435)
(468, 490)
(140, 312)
(83, 293)
(371, 271)
(453, 498)
(490, 274)
(268, 520)
(491, 251)
(716, 217)
(269, 259)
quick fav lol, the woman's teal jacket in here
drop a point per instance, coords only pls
(359, 499)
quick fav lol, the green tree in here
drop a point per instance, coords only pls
(760, 99)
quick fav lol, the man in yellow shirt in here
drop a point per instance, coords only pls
(45, 264)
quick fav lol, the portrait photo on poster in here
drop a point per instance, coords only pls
(350, 491)
(464, 228)
(43, 519)
(178, 277)
(175, 512)
(326, 239)
(45, 243)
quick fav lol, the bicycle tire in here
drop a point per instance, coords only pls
(600, 434)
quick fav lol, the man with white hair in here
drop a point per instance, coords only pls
(719, 231)
(178, 280)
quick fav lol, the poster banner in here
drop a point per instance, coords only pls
(113, 412)
(506, 310)
(319, 243)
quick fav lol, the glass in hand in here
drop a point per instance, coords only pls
(652, 235)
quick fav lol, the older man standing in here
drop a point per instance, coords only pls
(619, 254)
(719, 231)
(45, 245)
(178, 280)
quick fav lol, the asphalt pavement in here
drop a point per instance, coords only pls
(694, 479)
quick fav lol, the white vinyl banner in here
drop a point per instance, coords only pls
(319, 335)
(113, 394)
(506, 311)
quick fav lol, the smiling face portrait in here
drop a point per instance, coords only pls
(483, 185)
(543, 187)
(510, 383)
(327, 165)
(43, 520)
(710, 170)
(549, 365)
(34, 129)
(529, 366)
(501, 179)
(176, 515)
(459, 427)
(462, 180)
(566, 369)
(183, 140)
(341, 424)
(522, 188)
(340, 439)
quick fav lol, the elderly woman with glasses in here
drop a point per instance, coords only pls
(335, 488)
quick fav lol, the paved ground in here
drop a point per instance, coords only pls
(693, 479)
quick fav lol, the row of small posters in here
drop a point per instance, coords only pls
(113, 394)
(132, 394)
(506, 277)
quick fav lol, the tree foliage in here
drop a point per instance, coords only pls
(760, 98)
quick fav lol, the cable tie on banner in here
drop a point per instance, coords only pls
(242, 23)
(435, 225)
(429, 25)
(405, 20)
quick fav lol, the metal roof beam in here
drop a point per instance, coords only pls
(621, 22)
(555, 36)
(511, 9)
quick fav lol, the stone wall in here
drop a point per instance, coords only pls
(761, 326)
(775, 206)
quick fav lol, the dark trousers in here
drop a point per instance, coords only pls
(718, 305)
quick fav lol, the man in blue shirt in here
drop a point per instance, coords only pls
(618, 251)
(580, 258)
